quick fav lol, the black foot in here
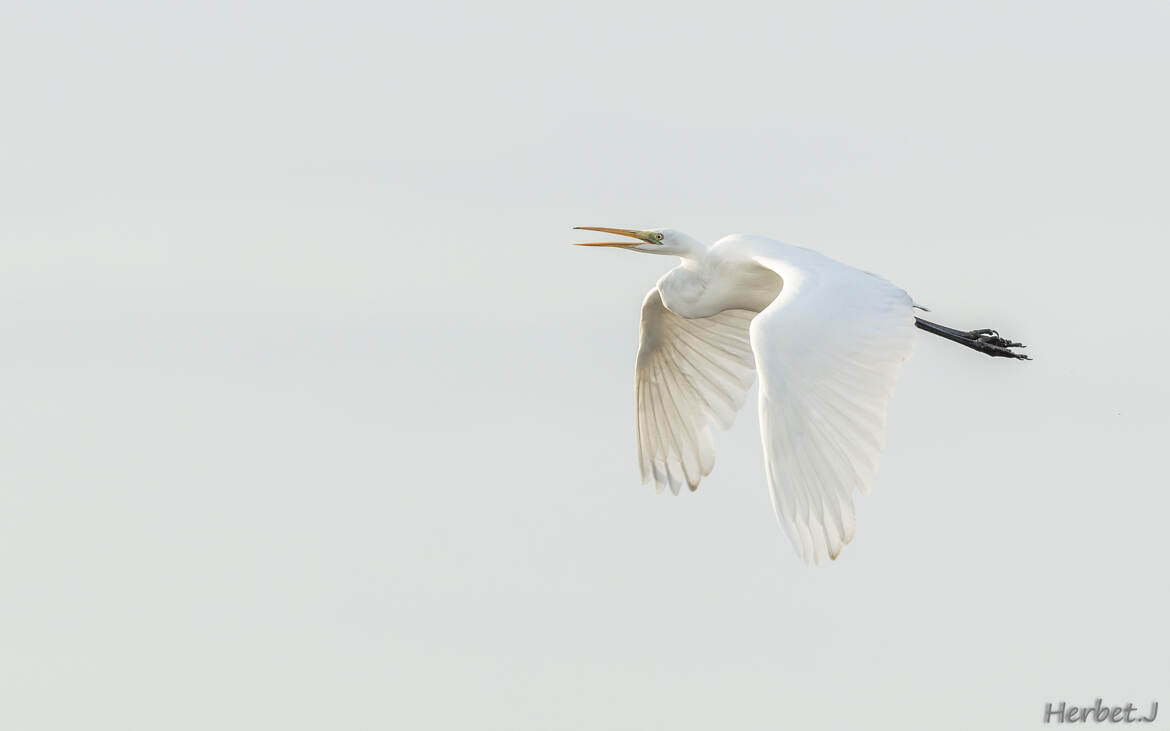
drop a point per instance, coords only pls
(989, 342)
(985, 340)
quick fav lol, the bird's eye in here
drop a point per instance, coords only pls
(658, 236)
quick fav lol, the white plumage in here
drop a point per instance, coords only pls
(690, 375)
(826, 340)
(828, 350)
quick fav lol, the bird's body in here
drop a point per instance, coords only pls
(826, 340)
(725, 277)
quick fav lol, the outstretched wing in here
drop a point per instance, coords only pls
(828, 350)
(690, 374)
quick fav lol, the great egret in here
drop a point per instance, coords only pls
(827, 341)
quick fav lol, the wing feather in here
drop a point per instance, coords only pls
(828, 350)
(691, 374)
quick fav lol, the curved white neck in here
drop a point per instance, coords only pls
(724, 277)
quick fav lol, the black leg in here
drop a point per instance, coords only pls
(985, 340)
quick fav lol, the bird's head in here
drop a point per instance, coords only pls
(650, 241)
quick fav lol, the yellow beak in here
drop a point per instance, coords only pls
(644, 236)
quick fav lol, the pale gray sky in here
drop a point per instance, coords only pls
(312, 418)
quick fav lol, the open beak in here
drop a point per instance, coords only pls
(643, 236)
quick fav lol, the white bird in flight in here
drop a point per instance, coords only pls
(826, 340)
